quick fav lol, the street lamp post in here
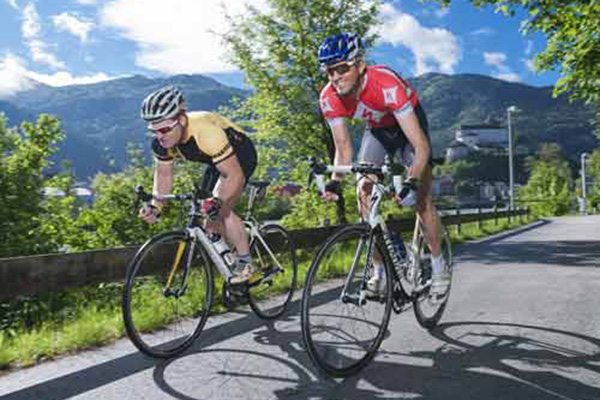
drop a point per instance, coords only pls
(583, 185)
(510, 158)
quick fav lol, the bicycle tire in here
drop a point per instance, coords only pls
(273, 289)
(322, 329)
(160, 323)
(429, 318)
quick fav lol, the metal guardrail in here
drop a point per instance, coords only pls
(54, 272)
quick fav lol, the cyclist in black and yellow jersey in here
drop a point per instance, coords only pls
(209, 138)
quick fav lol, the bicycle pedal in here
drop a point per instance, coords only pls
(238, 290)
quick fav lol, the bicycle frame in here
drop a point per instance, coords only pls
(253, 227)
(199, 234)
(375, 220)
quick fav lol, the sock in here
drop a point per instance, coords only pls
(244, 259)
(437, 264)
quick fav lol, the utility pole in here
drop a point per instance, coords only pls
(583, 185)
(511, 184)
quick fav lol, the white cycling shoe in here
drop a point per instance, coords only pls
(242, 273)
(440, 283)
(377, 282)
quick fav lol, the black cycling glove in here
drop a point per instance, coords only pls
(334, 187)
(408, 193)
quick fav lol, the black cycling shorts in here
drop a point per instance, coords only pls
(247, 157)
(394, 142)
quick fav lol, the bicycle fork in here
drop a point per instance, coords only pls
(182, 248)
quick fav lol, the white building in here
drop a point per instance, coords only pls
(483, 137)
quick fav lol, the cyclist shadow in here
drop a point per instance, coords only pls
(483, 360)
(477, 360)
(240, 369)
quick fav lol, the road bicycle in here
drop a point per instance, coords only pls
(170, 281)
(343, 323)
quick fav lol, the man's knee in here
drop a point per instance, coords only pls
(364, 188)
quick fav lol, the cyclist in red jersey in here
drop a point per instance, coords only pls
(396, 125)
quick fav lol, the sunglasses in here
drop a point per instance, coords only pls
(340, 68)
(165, 129)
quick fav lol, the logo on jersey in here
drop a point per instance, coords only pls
(325, 106)
(390, 96)
(364, 113)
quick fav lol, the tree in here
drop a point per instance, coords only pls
(549, 189)
(277, 50)
(58, 223)
(25, 156)
(573, 42)
(593, 170)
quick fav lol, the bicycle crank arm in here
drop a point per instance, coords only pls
(267, 278)
(353, 299)
(168, 292)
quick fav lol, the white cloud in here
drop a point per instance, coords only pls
(40, 54)
(508, 76)
(14, 77)
(528, 47)
(177, 38)
(495, 59)
(86, 2)
(13, 4)
(63, 78)
(485, 31)
(529, 64)
(31, 29)
(503, 71)
(73, 25)
(435, 49)
(31, 26)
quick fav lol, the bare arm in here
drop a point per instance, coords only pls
(415, 135)
(163, 184)
(343, 146)
(163, 180)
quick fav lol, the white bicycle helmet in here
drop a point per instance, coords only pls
(164, 103)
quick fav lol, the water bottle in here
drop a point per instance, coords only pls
(222, 248)
(398, 245)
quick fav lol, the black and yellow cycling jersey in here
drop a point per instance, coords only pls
(211, 139)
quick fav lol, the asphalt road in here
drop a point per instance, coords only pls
(523, 322)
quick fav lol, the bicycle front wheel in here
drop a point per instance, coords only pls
(167, 294)
(343, 324)
(272, 288)
(429, 311)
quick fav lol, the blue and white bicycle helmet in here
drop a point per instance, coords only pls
(340, 47)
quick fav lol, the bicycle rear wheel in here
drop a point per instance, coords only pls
(272, 288)
(343, 325)
(429, 311)
(167, 294)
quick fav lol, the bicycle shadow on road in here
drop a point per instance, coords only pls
(478, 360)
(481, 360)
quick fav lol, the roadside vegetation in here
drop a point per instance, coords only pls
(276, 52)
(39, 328)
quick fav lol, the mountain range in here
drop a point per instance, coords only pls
(100, 119)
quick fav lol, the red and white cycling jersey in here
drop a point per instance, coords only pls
(384, 95)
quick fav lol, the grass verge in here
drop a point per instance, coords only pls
(44, 327)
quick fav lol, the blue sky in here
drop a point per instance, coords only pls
(83, 41)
